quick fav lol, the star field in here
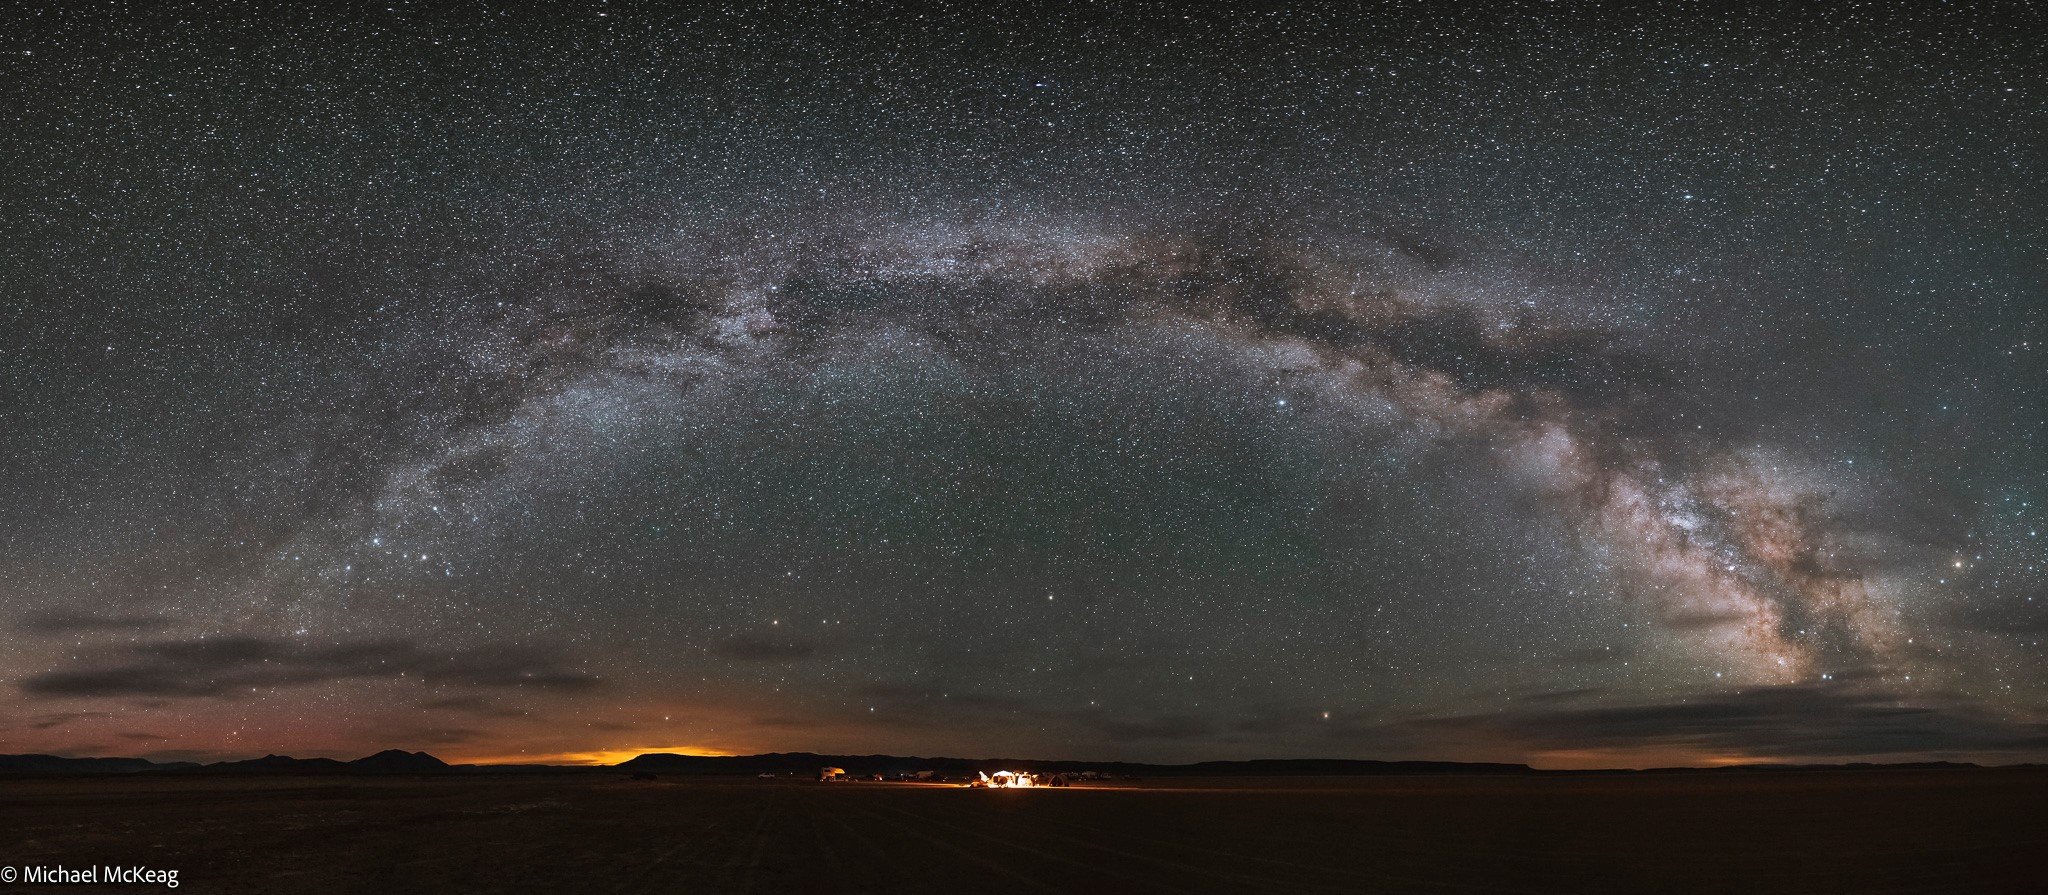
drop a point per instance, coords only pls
(1503, 383)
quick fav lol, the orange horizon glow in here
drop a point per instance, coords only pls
(593, 758)
(1554, 760)
(521, 751)
(1617, 759)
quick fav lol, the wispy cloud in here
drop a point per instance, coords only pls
(228, 665)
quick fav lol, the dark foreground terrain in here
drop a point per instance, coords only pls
(1872, 831)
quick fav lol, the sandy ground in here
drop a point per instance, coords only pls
(1889, 831)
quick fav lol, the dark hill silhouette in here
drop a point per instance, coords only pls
(278, 764)
(52, 764)
(399, 761)
(389, 761)
(810, 762)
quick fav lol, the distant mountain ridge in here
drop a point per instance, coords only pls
(277, 764)
(399, 761)
(389, 761)
(53, 764)
(810, 762)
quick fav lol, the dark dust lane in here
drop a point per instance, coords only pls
(1953, 831)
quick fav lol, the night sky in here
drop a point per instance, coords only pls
(1118, 383)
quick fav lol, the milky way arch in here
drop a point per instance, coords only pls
(1732, 546)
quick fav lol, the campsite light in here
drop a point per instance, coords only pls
(1008, 780)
